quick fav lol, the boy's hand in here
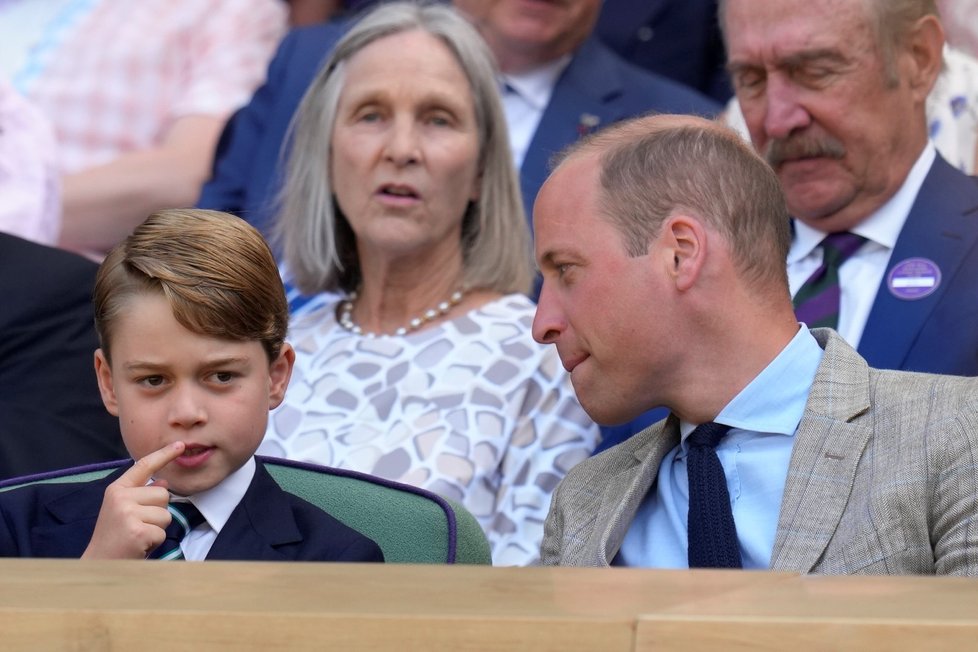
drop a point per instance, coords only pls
(133, 516)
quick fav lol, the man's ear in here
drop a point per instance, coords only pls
(279, 373)
(103, 372)
(685, 239)
(925, 50)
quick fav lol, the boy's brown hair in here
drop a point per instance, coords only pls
(215, 270)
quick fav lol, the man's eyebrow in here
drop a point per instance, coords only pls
(548, 258)
(807, 56)
(793, 60)
(734, 67)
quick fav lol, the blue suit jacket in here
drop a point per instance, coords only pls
(596, 89)
(269, 524)
(676, 38)
(937, 334)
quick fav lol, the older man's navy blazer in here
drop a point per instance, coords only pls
(269, 524)
(938, 333)
(596, 89)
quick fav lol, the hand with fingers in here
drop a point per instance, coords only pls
(134, 514)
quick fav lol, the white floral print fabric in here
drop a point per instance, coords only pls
(472, 409)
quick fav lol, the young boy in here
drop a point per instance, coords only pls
(191, 316)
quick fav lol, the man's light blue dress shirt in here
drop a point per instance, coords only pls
(755, 455)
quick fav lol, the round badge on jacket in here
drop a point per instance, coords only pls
(914, 278)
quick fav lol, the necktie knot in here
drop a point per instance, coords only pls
(817, 300)
(184, 518)
(707, 434)
(838, 247)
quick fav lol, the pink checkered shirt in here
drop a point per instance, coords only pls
(30, 183)
(124, 71)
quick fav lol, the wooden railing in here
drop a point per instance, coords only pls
(143, 606)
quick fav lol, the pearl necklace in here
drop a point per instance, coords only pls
(346, 314)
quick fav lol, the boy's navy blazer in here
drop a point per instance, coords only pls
(269, 524)
(596, 89)
(938, 333)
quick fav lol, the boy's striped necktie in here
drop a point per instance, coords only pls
(185, 518)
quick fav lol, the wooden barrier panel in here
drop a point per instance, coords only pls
(864, 614)
(145, 606)
(142, 606)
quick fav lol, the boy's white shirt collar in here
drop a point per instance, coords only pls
(217, 503)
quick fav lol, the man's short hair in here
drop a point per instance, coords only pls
(656, 166)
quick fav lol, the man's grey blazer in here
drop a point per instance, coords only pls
(883, 478)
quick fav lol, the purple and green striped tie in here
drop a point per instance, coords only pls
(817, 300)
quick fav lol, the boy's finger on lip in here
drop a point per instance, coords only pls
(145, 467)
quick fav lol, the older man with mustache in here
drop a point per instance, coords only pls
(885, 242)
(885, 231)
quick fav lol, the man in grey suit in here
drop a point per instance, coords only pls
(662, 243)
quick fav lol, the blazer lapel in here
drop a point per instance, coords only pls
(942, 227)
(625, 491)
(260, 523)
(828, 445)
(74, 515)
